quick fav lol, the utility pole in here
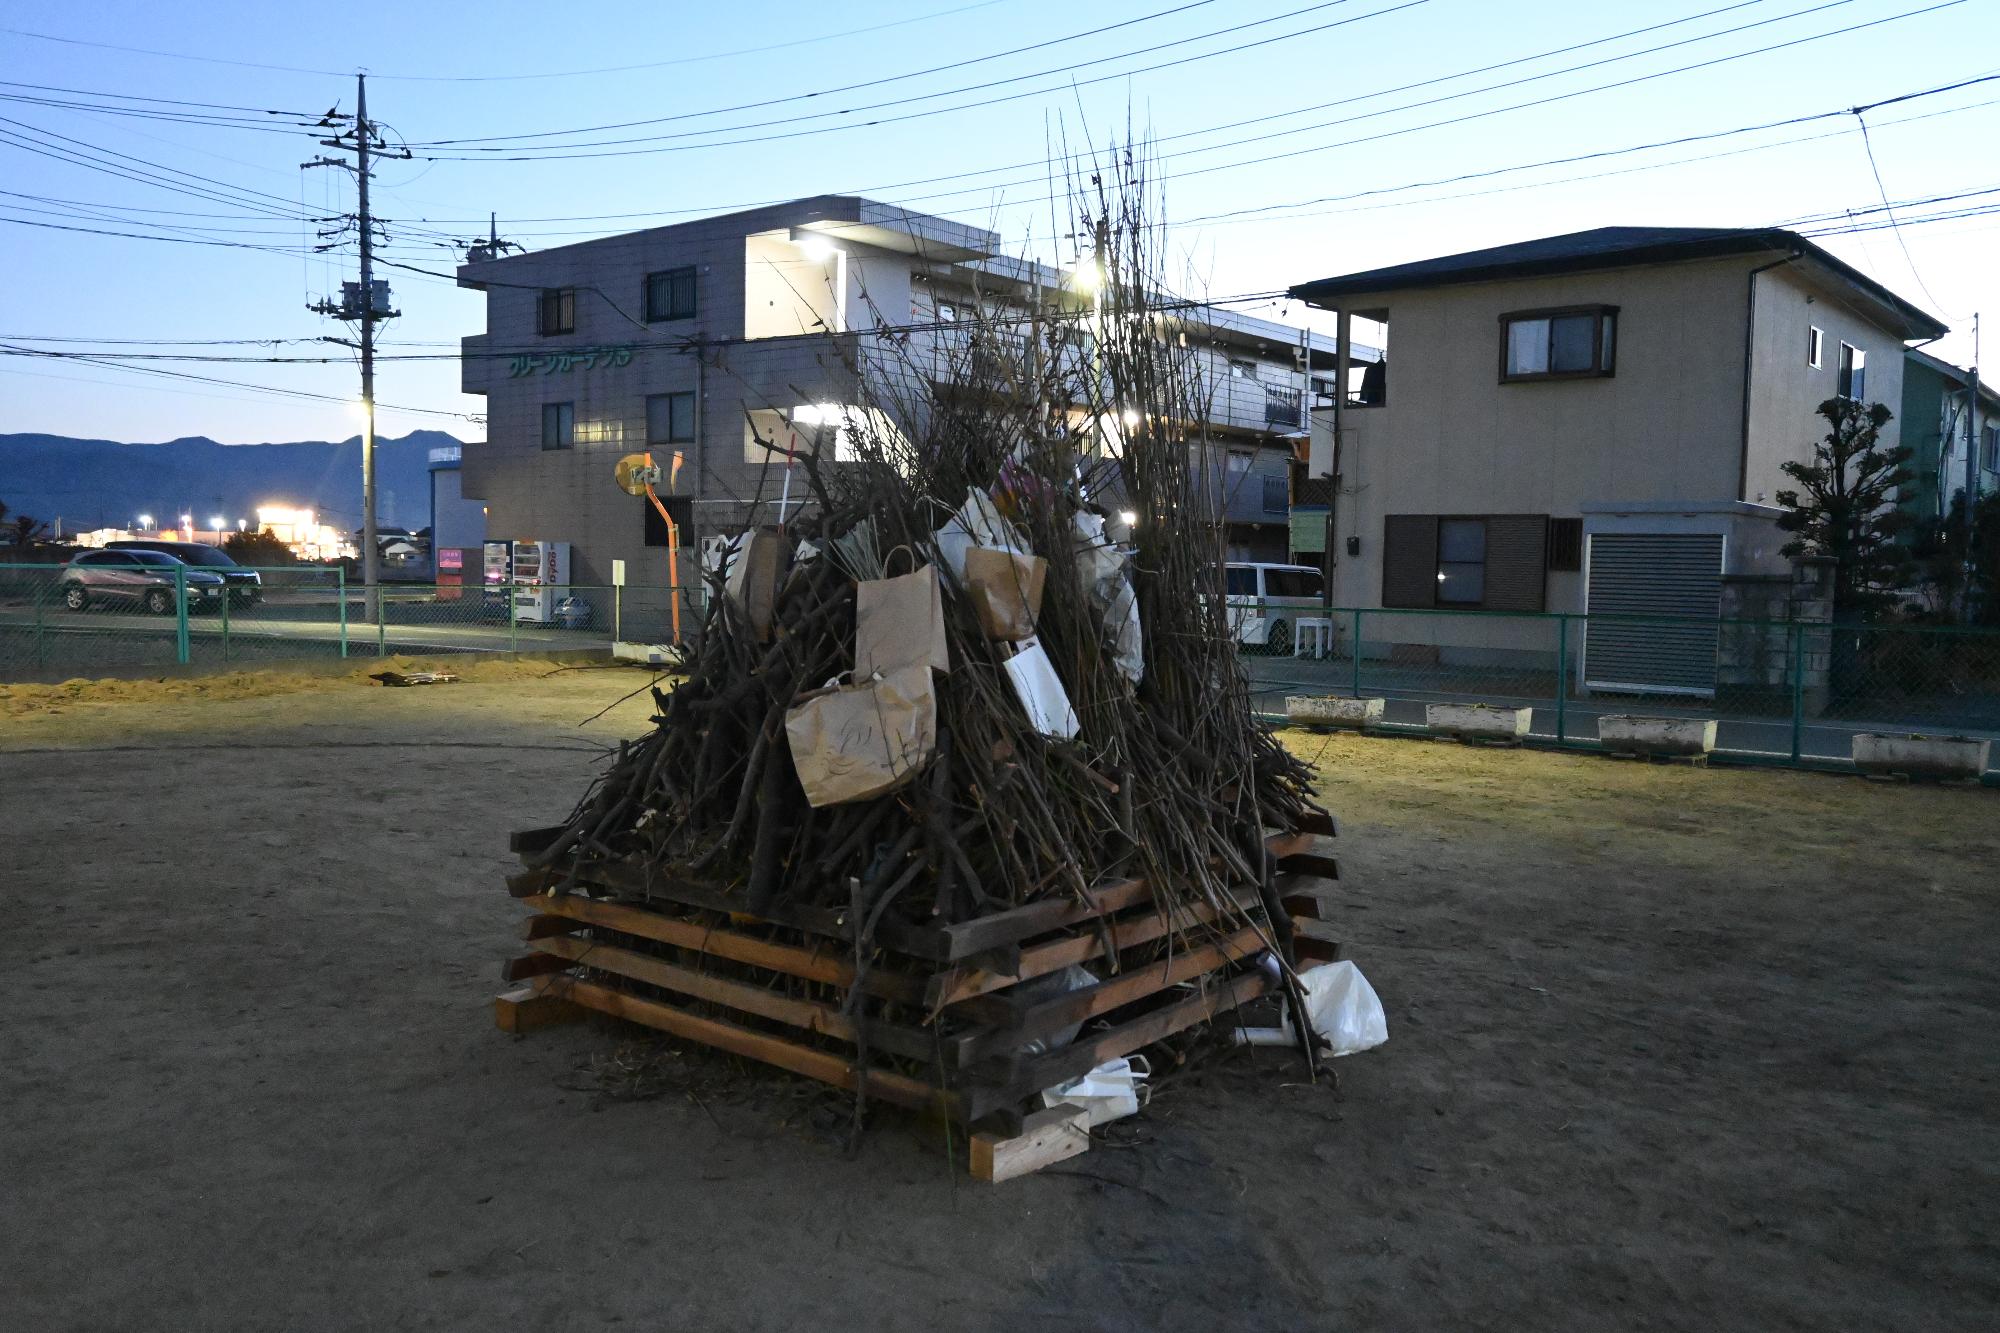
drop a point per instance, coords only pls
(361, 303)
(1971, 466)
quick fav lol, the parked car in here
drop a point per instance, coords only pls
(1265, 601)
(143, 578)
(246, 586)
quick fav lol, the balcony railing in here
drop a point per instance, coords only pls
(1282, 407)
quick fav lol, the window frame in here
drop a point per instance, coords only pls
(672, 313)
(561, 444)
(563, 301)
(670, 437)
(1852, 360)
(1439, 562)
(1989, 446)
(1815, 346)
(1604, 364)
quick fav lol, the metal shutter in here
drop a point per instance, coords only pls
(1653, 574)
(1516, 562)
(1409, 560)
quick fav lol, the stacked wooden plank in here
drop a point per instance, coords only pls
(964, 1019)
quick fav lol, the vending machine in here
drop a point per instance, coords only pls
(499, 572)
(541, 579)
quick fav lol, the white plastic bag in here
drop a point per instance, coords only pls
(1343, 1007)
(1115, 1088)
(977, 523)
(1100, 569)
(1041, 692)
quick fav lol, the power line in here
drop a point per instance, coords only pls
(509, 78)
(115, 363)
(1861, 119)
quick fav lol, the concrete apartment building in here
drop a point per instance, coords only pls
(1591, 422)
(704, 336)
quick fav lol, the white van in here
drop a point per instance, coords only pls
(1265, 600)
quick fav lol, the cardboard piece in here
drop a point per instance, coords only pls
(899, 621)
(752, 581)
(858, 741)
(1006, 591)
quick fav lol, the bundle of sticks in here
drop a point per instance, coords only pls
(1095, 414)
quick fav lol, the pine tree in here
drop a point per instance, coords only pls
(1846, 508)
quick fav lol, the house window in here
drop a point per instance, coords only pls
(1989, 448)
(1478, 562)
(1574, 343)
(556, 312)
(670, 418)
(1239, 461)
(1815, 341)
(947, 312)
(1853, 372)
(1461, 561)
(670, 295)
(558, 425)
(1242, 370)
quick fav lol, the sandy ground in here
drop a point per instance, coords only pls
(1669, 1049)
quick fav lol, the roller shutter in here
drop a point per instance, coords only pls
(1653, 574)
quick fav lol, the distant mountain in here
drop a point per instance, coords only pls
(105, 483)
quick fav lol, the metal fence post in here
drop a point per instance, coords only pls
(225, 621)
(1562, 677)
(1798, 689)
(513, 622)
(340, 574)
(381, 620)
(617, 613)
(41, 630)
(1354, 643)
(181, 653)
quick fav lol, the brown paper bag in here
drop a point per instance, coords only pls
(859, 741)
(1006, 590)
(899, 621)
(753, 578)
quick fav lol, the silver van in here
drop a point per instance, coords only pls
(1266, 600)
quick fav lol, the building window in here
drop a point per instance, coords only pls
(1242, 370)
(670, 295)
(1575, 343)
(1277, 495)
(556, 312)
(670, 418)
(1461, 562)
(1472, 562)
(947, 313)
(1853, 372)
(1566, 545)
(1815, 341)
(1989, 448)
(1239, 461)
(558, 425)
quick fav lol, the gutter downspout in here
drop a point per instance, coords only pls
(1749, 360)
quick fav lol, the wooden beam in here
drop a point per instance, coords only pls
(1047, 1137)
(533, 965)
(792, 959)
(540, 926)
(528, 1009)
(528, 841)
(910, 1043)
(527, 883)
(822, 1065)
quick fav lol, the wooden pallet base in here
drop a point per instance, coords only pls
(1047, 1137)
(526, 1009)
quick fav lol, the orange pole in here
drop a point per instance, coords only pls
(673, 548)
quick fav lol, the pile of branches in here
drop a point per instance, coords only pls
(1066, 408)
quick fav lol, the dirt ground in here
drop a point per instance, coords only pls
(1668, 1048)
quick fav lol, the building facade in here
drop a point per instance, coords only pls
(710, 338)
(1936, 429)
(1592, 422)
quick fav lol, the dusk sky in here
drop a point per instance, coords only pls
(1324, 119)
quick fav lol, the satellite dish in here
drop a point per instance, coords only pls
(635, 472)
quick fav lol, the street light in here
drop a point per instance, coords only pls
(145, 520)
(218, 523)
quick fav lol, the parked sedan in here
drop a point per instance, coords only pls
(141, 578)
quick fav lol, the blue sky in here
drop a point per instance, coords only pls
(1344, 97)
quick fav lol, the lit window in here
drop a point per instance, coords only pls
(1550, 344)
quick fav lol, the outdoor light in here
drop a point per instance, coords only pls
(242, 524)
(217, 523)
(187, 521)
(1128, 518)
(145, 520)
(816, 247)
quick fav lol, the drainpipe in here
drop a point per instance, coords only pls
(1749, 355)
(1343, 349)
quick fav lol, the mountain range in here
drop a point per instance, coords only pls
(107, 483)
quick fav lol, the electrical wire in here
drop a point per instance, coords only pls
(1861, 119)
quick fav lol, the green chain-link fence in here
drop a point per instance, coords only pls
(1780, 691)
